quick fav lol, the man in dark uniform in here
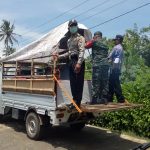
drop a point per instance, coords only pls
(116, 58)
(99, 68)
(76, 49)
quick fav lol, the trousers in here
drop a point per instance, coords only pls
(76, 81)
(115, 87)
(100, 84)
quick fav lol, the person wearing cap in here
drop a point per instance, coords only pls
(116, 59)
(99, 68)
(75, 53)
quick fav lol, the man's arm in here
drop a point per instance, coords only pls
(64, 55)
(81, 46)
(60, 53)
(111, 54)
(89, 44)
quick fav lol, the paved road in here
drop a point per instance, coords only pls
(13, 137)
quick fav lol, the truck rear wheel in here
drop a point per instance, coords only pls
(77, 126)
(33, 127)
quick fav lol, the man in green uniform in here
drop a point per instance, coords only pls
(99, 69)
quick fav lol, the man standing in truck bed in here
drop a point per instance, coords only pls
(99, 68)
(76, 49)
(116, 57)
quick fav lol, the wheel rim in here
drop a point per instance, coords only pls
(32, 126)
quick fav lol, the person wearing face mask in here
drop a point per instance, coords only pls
(99, 69)
(75, 53)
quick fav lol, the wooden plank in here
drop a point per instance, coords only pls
(38, 84)
(35, 76)
(16, 73)
(9, 62)
(2, 71)
(27, 90)
(107, 108)
(32, 73)
(29, 79)
(8, 82)
(22, 83)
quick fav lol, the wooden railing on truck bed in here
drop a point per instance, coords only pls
(28, 77)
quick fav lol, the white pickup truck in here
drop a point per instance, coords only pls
(29, 91)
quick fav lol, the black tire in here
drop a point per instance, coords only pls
(33, 128)
(77, 126)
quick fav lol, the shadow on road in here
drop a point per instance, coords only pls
(88, 139)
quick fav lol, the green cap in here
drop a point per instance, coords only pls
(98, 33)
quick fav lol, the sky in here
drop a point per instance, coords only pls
(34, 18)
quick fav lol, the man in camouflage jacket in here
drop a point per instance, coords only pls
(99, 69)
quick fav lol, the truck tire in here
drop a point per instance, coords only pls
(33, 128)
(77, 126)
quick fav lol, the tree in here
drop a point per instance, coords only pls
(137, 51)
(7, 52)
(145, 44)
(8, 36)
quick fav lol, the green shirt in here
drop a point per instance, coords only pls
(99, 53)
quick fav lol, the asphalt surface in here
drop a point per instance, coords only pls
(13, 137)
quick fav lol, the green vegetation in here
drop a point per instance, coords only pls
(135, 84)
(88, 70)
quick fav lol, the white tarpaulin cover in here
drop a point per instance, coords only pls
(45, 45)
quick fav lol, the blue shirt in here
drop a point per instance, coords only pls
(117, 52)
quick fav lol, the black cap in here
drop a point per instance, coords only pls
(119, 37)
(72, 23)
(98, 33)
